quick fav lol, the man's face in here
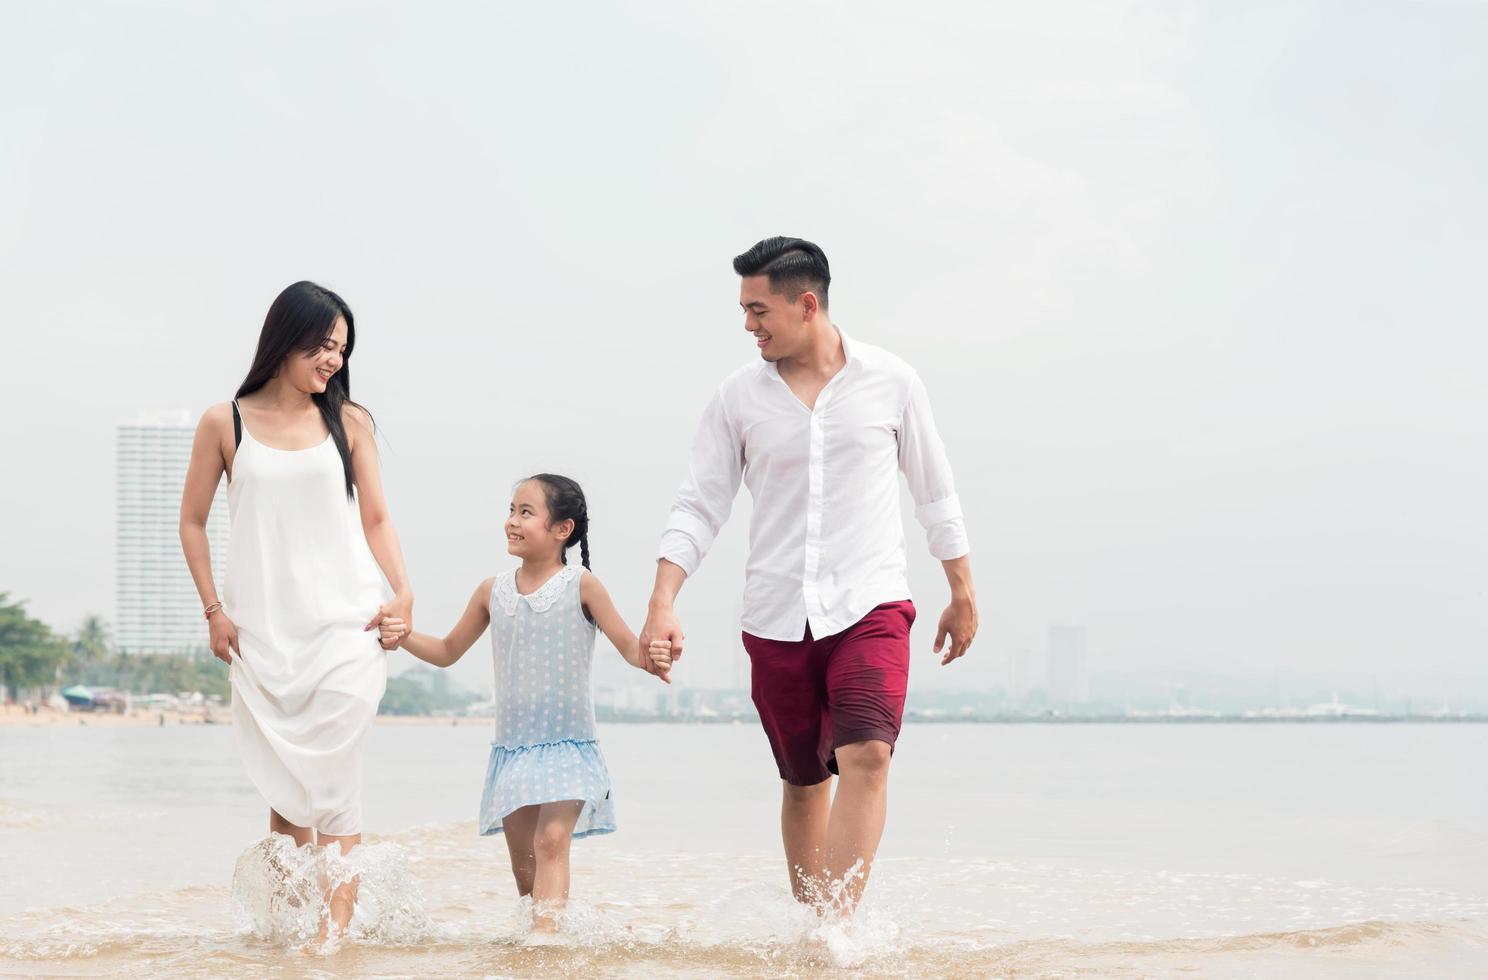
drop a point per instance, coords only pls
(777, 324)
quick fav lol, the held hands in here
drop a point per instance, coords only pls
(392, 633)
(662, 624)
(400, 611)
(224, 637)
(662, 633)
(657, 659)
(959, 621)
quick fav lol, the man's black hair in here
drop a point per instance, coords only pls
(794, 265)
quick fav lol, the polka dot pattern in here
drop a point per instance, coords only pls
(544, 748)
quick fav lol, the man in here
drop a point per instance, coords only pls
(819, 430)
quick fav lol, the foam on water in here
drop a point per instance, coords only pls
(280, 892)
(439, 900)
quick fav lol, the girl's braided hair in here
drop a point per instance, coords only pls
(566, 503)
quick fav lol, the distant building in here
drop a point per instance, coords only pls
(1069, 681)
(1020, 668)
(156, 606)
(431, 679)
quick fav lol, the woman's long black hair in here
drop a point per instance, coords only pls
(299, 321)
(566, 503)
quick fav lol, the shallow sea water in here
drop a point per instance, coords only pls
(1339, 850)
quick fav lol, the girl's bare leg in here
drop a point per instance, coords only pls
(550, 843)
(518, 827)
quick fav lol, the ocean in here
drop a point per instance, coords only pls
(1331, 850)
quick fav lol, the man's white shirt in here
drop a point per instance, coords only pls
(826, 543)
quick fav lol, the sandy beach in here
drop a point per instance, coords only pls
(15, 715)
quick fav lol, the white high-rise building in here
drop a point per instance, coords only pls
(157, 609)
(1068, 681)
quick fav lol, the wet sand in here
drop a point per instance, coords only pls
(15, 715)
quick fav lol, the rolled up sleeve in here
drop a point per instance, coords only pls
(715, 468)
(922, 458)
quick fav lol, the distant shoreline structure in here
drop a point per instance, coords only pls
(15, 717)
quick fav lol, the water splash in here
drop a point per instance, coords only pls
(279, 892)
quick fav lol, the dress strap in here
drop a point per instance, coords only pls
(237, 425)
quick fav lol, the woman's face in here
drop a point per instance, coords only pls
(310, 371)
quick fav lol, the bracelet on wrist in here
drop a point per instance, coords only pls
(207, 612)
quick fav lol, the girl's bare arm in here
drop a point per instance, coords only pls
(597, 603)
(446, 650)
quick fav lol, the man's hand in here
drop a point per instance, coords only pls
(959, 621)
(662, 627)
(662, 630)
(658, 659)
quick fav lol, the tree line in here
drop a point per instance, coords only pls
(37, 662)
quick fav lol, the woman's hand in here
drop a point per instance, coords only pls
(401, 609)
(224, 637)
(392, 632)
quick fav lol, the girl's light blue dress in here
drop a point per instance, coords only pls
(544, 749)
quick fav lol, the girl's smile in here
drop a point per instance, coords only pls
(528, 531)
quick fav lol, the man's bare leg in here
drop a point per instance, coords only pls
(857, 818)
(804, 813)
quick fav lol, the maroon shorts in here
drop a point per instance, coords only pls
(816, 695)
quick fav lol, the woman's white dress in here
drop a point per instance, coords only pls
(301, 585)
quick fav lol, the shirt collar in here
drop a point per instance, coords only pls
(849, 352)
(849, 355)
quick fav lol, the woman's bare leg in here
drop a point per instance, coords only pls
(278, 825)
(518, 828)
(338, 902)
(550, 843)
(342, 900)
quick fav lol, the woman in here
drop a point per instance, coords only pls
(310, 529)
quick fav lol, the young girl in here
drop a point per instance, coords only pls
(546, 782)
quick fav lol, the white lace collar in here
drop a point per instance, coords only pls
(542, 600)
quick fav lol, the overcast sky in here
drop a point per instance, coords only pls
(1197, 291)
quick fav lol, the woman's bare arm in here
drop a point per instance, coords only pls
(377, 522)
(203, 474)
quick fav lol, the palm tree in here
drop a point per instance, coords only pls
(90, 646)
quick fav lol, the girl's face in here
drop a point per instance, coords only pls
(528, 534)
(310, 371)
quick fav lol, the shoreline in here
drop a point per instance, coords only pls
(16, 716)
